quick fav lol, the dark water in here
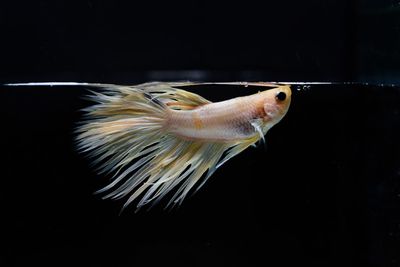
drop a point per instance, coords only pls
(324, 191)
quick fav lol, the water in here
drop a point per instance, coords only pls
(323, 191)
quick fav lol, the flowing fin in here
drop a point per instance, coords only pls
(257, 125)
(173, 97)
(124, 133)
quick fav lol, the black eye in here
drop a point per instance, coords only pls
(281, 96)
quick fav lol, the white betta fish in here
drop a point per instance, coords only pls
(155, 138)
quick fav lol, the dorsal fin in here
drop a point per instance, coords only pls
(172, 96)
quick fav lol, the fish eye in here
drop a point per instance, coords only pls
(281, 96)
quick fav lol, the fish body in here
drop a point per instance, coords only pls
(156, 138)
(229, 120)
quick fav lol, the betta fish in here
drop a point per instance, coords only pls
(157, 138)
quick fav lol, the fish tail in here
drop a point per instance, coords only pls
(125, 135)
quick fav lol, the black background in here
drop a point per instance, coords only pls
(129, 41)
(324, 191)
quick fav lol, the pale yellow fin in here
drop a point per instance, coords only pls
(173, 97)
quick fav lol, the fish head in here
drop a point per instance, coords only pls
(275, 104)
